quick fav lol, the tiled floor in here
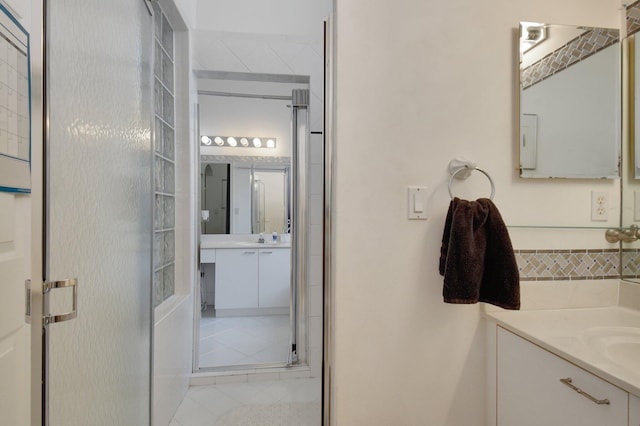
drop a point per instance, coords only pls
(295, 402)
(243, 340)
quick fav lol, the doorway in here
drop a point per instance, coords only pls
(254, 280)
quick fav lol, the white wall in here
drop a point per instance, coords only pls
(419, 83)
(173, 319)
(188, 10)
(275, 37)
(290, 17)
(235, 116)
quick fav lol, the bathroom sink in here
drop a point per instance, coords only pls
(620, 345)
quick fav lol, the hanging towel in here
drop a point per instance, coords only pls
(476, 258)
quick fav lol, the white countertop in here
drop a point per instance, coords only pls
(577, 335)
(241, 245)
(239, 242)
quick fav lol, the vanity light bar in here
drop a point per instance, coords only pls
(238, 141)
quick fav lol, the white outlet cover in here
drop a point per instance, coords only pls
(599, 206)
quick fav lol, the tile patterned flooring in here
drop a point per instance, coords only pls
(243, 340)
(295, 402)
(248, 340)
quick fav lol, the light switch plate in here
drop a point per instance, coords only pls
(417, 202)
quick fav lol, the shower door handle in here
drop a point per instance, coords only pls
(48, 286)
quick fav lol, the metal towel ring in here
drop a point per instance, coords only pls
(453, 175)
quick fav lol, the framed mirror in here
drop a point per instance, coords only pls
(570, 85)
(245, 196)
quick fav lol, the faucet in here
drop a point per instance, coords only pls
(627, 235)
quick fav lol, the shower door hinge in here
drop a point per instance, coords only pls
(294, 354)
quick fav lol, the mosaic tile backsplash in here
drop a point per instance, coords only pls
(631, 263)
(633, 18)
(571, 53)
(546, 265)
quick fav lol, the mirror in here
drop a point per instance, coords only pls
(569, 102)
(245, 196)
(630, 259)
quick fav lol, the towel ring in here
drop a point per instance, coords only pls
(453, 175)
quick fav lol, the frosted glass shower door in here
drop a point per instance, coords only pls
(98, 210)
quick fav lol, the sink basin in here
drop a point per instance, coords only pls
(620, 345)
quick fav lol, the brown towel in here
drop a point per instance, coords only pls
(476, 258)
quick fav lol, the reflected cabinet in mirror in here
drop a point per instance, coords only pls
(245, 197)
(570, 82)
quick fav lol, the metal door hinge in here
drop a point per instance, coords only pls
(27, 301)
(46, 289)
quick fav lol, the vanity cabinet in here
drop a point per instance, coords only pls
(252, 278)
(236, 278)
(634, 410)
(274, 276)
(530, 391)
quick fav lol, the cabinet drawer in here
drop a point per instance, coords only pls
(208, 256)
(530, 391)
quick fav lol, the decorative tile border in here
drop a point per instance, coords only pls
(571, 53)
(633, 18)
(630, 263)
(551, 265)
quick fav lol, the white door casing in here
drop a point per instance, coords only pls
(14, 333)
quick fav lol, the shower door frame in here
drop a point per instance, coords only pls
(298, 173)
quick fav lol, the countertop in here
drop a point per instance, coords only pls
(214, 242)
(579, 336)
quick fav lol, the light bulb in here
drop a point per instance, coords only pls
(218, 140)
(205, 140)
(244, 142)
(271, 143)
(232, 141)
(257, 142)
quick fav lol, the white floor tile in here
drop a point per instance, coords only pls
(295, 402)
(243, 340)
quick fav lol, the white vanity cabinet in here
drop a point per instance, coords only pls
(252, 278)
(634, 410)
(236, 278)
(274, 276)
(530, 391)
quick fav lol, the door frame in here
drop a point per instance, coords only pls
(39, 134)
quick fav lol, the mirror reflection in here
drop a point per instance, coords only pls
(569, 101)
(245, 197)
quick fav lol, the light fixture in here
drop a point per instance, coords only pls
(531, 34)
(238, 141)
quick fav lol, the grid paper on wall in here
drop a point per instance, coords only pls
(15, 128)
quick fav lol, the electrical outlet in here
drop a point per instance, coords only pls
(599, 206)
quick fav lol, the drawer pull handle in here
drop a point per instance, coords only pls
(569, 382)
(249, 252)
